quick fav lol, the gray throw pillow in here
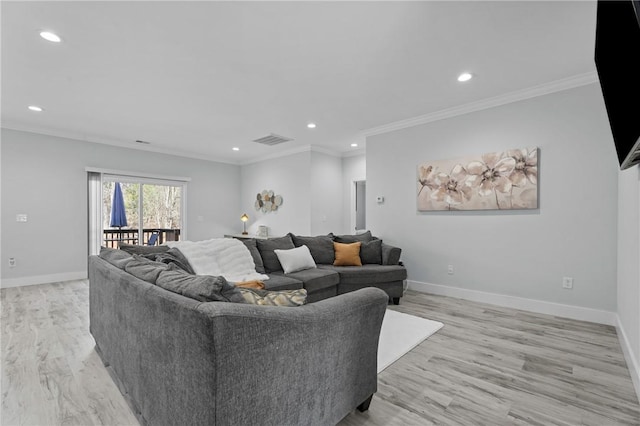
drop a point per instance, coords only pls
(348, 239)
(174, 256)
(321, 247)
(145, 269)
(371, 252)
(255, 254)
(205, 288)
(267, 247)
(142, 250)
(117, 258)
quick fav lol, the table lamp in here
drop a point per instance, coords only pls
(244, 218)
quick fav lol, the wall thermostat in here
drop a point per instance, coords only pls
(380, 199)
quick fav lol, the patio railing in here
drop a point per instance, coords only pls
(111, 237)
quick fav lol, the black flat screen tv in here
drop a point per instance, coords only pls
(617, 58)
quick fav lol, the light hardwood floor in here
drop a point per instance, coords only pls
(487, 366)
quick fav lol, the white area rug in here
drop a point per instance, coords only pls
(400, 333)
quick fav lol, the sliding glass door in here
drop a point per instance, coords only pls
(153, 211)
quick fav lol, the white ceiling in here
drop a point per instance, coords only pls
(198, 78)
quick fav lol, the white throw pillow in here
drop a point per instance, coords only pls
(296, 259)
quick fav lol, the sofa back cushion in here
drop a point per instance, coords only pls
(371, 252)
(321, 247)
(255, 254)
(205, 288)
(142, 250)
(363, 238)
(174, 256)
(145, 269)
(117, 258)
(267, 247)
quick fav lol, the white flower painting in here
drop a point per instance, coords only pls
(497, 181)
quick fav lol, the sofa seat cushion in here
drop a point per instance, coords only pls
(368, 274)
(281, 282)
(313, 279)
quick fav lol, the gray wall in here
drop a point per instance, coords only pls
(326, 194)
(44, 177)
(517, 253)
(311, 184)
(629, 258)
(287, 176)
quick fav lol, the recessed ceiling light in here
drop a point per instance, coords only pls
(465, 76)
(35, 108)
(49, 36)
(311, 125)
(235, 148)
(354, 145)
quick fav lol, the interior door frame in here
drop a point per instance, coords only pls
(352, 207)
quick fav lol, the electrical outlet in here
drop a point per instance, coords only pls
(567, 282)
(450, 269)
(12, 262)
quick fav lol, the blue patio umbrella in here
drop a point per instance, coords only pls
(118, 210)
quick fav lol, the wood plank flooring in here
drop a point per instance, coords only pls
(487, 366)
(496, 366)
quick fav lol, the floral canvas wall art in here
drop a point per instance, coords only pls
(496, 181)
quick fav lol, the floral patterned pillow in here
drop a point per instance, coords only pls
(274, 298)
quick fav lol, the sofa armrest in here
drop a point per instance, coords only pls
(306, 365)
(390, 254)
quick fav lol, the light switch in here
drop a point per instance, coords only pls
(22, 217)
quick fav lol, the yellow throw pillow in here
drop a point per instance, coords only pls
(347, 254)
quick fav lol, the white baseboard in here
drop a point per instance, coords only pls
(630, 357)
(532, 305)
(42, 279)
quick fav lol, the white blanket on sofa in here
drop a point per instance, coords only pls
(227, 257)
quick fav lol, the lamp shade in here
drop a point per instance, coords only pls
(244, 218)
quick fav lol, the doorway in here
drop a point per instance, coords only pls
(360, 205)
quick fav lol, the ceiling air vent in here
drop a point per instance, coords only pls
(272, 139)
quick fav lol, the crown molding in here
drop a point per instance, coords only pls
(355, 153)
(298, 150)
(78, 136)
(288, 152)
(519, 95)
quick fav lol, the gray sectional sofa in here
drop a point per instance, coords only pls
(381, 266)
(181, 361)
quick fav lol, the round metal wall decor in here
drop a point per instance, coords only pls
(267, 201)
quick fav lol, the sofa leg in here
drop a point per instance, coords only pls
(396, 300)
(365, 405)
